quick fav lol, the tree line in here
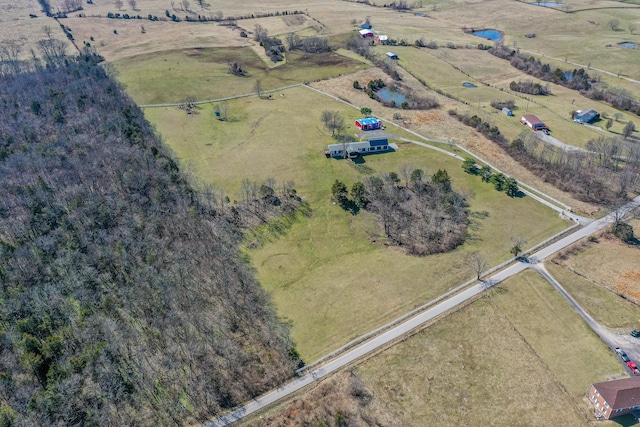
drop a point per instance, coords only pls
(608, 171)
(124, 297)
(577, 79)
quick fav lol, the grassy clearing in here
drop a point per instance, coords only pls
(171, 76)
(471, 368)
(331, 274)
(573, 353)
(605, 306)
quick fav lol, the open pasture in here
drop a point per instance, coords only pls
(332, 273)
(603, 305)
(482, 365)
(608, 263)
(19, 29)
(447, 69)
(171, 76)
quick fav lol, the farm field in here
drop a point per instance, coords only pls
(603, 305)
(171, 76)
(608, 263)
(507, 352)
(482, 68)
(331, 274)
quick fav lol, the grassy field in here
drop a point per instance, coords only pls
(605, 306)
(610, 264)
(495, 362)
(436, 67)
(331, 274)
(171, 76)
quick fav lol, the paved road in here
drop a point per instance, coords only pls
(413, 323)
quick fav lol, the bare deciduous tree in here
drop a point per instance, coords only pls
(518, 245)
(614, 24)
(133, 4)
(257, 88)
(118, 4)
(188, 104)
(477, 263)
(333, 121)
(52, 50)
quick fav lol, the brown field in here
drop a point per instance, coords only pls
(608, 263)
(485, 358)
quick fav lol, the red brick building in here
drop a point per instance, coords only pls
(617, 397)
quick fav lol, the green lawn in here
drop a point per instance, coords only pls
(331, 274)
(171, 76)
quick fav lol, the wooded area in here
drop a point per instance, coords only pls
(423, 216)
(123, 299)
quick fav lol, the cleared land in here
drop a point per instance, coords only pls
(332, 274)
(502, 355)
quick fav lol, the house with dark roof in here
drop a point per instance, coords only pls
(358, 148)
(614, 398)
(586, 116)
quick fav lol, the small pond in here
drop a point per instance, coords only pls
(388, 95)
(469, 85)
(548, 3)
(422, 15)
(630, 45)
(494, 35)
(568, 75)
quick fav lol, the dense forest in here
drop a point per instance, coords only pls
(123, 296)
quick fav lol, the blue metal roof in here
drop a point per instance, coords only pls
(368, 121)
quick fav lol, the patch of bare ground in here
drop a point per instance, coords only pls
(437, 124)
(342, 400)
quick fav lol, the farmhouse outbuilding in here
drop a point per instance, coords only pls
(366, 25)
(382, 39)
(533, 122)
(365, 33)
(614, 398)
(369, 123)
(586, 116)
(348, 149)
(507, 111)
(392, 55)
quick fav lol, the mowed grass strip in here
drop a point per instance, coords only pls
(606, 307)
(470, 368)
(332, 273)
(574, 354)
(171, 76)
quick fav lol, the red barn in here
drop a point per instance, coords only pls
(533, 122)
